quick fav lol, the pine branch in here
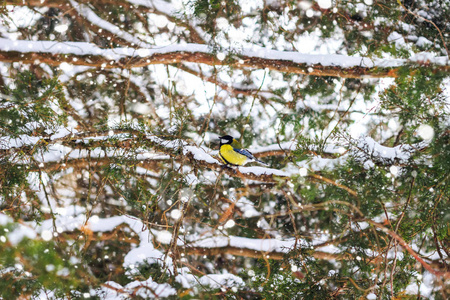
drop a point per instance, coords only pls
(86, 54)
(146, 7)
(405, 245)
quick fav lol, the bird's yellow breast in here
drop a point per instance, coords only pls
(230, 156)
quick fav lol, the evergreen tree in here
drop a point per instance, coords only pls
(110, 184)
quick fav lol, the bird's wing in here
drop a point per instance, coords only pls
(248, 154)
(245, 152)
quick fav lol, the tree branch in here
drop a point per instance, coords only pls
(86, 54)
(403, 243)
(245, 252)
(148, 7)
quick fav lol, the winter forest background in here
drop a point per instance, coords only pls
(110, 187)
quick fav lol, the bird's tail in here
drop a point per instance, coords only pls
(261, 162)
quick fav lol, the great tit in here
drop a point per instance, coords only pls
(232, 153)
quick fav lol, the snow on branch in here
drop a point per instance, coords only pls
(157, 7)
(126, 140)
(202, 157)
(96, 145)
(87, 54)
(87, 13)
(245, 252)
(255, 248)
(366, 148)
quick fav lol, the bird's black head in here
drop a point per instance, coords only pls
(226, 139)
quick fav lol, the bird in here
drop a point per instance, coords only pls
(232, 153)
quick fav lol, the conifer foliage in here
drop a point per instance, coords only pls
(110, 113)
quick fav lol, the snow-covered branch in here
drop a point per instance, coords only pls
(180, 150)
(157, 7)
(87, 54)
(126, 141)
(367, 148)
(114, 31)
